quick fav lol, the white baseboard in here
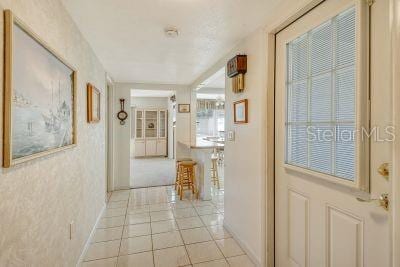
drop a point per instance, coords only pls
(121, 188)
(87, 244)
(246, 249)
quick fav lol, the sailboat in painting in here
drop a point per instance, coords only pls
(57, 116)
(38, 129)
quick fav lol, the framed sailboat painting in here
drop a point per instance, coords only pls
(39, 97)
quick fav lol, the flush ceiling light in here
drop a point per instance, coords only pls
(171, 32)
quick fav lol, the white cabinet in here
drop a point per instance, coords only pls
(139, 123)
(151, 147)
(140, 148)
(151, 131)
(162, 121)
(150, 123)
(161, 147)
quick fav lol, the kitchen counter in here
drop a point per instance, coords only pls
(201, 153)
(204, 143)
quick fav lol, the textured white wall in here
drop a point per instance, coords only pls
(122, 139)
(149, 102)
(183, 124)
(245, 157)
(39, 199)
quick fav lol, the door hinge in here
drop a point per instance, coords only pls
(370, 2)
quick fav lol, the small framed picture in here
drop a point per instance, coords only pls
(184, 108)
(93, 104)
(240, 111)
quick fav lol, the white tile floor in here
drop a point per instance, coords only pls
(152, 227)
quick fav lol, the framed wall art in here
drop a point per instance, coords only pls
(93, 104)
(39, 96)
(240, 111)
(184, 108)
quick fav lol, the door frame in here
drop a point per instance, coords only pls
(271, 33)
(109, 134)
(394, 6)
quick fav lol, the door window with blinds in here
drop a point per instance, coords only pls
(321, 98)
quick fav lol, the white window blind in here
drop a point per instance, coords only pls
(321, 88)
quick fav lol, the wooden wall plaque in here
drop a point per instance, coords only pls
(237, 65)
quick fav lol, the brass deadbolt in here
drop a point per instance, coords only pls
(384, 170)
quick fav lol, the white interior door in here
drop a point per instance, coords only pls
(327, 101)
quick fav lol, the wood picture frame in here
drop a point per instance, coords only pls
(93, 103)
(240, 111)
(184, 108)
(40, 101)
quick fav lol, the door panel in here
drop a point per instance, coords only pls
(344, 238)
(318, 219)
(299, 228)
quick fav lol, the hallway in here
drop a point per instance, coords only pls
(291, 108)
(151, 227)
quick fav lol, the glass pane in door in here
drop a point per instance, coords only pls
(150, 124)
(321, 75)
(162, 124)
(139, 124)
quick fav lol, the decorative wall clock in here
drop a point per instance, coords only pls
(122, 115)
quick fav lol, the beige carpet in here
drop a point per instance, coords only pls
(152, 172)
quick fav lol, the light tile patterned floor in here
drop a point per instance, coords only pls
(151, 227)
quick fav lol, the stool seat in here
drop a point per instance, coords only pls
(188, 163)
(183, 159)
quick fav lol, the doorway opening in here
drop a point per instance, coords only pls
(210, 135)
(152, 143)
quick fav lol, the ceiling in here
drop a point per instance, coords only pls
(128, 35)
(151, 93)
(217, 80)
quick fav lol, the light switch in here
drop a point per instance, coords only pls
(231, 136)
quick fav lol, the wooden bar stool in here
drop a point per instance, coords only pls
(187, 178)
(214, 170)
(177, 169)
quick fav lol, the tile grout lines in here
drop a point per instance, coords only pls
(172, 207)
(122, 234)
(152, 244)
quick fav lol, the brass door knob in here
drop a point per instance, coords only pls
(383, 200)
(384, 170)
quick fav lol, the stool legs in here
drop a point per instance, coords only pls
(186, 178)
(214, 173)
(177, 176)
